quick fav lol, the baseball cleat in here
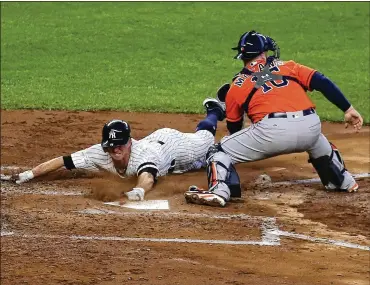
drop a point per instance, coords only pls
(212, 104)
(353, 187)
(203, 197)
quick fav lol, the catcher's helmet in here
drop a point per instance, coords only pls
(115, 133)
(252, 44)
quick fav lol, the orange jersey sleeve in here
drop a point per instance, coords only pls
(302, 73)
(235, 99)
(234, 112)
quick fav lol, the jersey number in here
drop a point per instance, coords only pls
(279, 84)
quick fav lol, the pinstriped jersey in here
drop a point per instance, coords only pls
(165, 149)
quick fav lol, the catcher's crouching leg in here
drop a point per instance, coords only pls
(223, 181)
(332, 172)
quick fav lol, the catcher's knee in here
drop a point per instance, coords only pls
(213, 149)
(330, 168)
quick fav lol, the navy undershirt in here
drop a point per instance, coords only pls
(323, 84)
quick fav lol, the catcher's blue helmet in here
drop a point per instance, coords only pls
(252, 44)
(115, 133)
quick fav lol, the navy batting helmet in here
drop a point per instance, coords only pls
(252, 44)
(115, 133)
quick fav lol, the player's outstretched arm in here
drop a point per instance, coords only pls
(144, 184)
(39, 170)
(352, 117)
(323, 84)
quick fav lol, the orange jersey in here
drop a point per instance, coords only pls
(273, 96)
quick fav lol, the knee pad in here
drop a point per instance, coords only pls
(330, 168)
(215, 148)
(221, 170)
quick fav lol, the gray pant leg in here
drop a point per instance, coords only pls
(320, 148)
(272, 137)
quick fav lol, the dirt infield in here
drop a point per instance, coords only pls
(57, 230)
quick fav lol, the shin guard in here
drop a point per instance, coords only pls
(330, 168)
(223, 179)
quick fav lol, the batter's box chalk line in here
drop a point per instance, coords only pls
(69, 193)
(142, 205)
(270, 232)
(314, 180)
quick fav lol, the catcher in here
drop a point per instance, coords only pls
(164, 151)
(273, 95)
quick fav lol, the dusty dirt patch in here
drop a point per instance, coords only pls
(43, 252)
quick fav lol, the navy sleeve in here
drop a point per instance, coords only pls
(323, 84)
(234, 127)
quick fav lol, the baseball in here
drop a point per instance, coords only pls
(263, 179)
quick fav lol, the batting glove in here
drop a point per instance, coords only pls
(136, 194)
(23, 177)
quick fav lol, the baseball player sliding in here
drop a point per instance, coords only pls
(164, 151)
(273, 95)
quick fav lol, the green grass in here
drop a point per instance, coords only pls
(169, 56)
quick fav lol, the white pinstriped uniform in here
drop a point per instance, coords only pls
(159, 148)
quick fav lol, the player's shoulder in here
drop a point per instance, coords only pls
(288, 66)
(95, 148)
(96, 152)
(140, 147)
(286, 63)
(238, 82)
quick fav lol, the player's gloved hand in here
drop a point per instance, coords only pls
(22, 177)
(351, 116)
(136, 194)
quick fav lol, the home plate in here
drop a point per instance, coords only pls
(143, 205)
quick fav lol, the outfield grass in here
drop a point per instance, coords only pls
(167, 57)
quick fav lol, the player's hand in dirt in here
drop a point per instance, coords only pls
(136, 194)
(351, 116)
(22, 177)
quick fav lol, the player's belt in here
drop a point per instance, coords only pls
(306, 112)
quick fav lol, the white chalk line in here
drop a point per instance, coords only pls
(115, 238)
(71, 193)
(54, 193)
(267, 238)
(10, 167)
(100, 211)
(314, 180)
(44, 192)
(270, 235)
(321, 240)
(288, 182)
(79, 193)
